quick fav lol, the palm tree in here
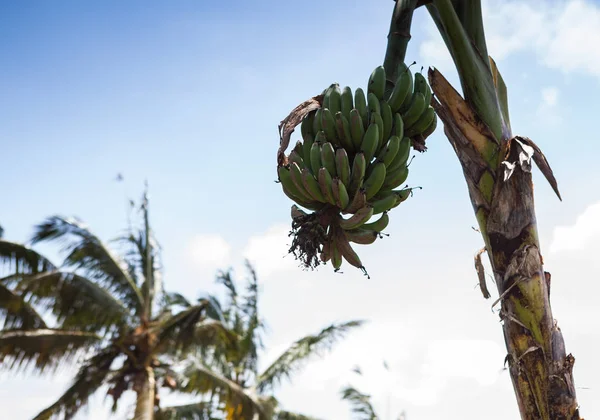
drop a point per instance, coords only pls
(108, 309)
(230, 381)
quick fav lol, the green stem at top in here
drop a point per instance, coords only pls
(398, 39)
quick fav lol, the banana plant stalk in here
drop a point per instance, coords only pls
(497, 169)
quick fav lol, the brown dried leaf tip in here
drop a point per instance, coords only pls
(289, 123)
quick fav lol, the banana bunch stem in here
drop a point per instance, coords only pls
(398, 39)
(478, 128)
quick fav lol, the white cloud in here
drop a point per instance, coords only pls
(561, 34)
(268, 251)
(577, 236)
(209, 250)
(549, 96)
(419, 371)
(548, 109)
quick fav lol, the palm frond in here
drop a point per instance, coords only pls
(240, 404)
(87, 381)
(251, 341)
(197, 411)
(190, 328)
(75, 300)
(45, 348)
(86, 252)
(294, 357)
(20, 259)
(361, 403)
(225, 278)
(16, 312)
(176, 299)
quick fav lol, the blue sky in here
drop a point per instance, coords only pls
(189, 94)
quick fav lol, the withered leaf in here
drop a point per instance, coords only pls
(481, 274)
(289, 123)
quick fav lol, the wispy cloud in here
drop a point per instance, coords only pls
(560, 33)
(580, 234)
(209, 251)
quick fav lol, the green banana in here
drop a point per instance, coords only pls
(360, 103)
(422, 86)
(328, 124)
(378, 225)
(306, 128)
(312, 186)
(373, 104)
(398, 125)
(342, 165)
(396, 178)
(375, 180)
(402, 155)
(376, 118)
(409, 97)
(429, 130)
(311, 205)
(335, 100)
(422, 123)
(315, 157)
(357, 129)
(415, 110)
(327, 94)
(325, 185)
(387, 118)
(306, 148)
(389, 152)
(346, 250)
(402, 89)
(377, 82)
(295, 157)
(402, 195)
(384, 204)
(361, 236)
(358, 219)
(317, 121)
(358, 202)
(328, 158)
(343, 131)
(370, 142)
(347, 102)
(288, 185)
(357, 176)
(336, 255)
(340, 194)
(299, 149)
(296, 176)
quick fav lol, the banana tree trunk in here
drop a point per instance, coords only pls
(541, 371)
(497, 169)
(144, 406)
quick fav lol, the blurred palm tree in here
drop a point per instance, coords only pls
(108, 310)
(361, 405)
(230, 381)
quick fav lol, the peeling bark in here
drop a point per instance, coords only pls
(503, 202)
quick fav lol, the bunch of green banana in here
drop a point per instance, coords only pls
(354, 155)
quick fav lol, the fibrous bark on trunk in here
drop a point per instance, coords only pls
(498, 176)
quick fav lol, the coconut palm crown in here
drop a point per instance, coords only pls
(109, 314)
